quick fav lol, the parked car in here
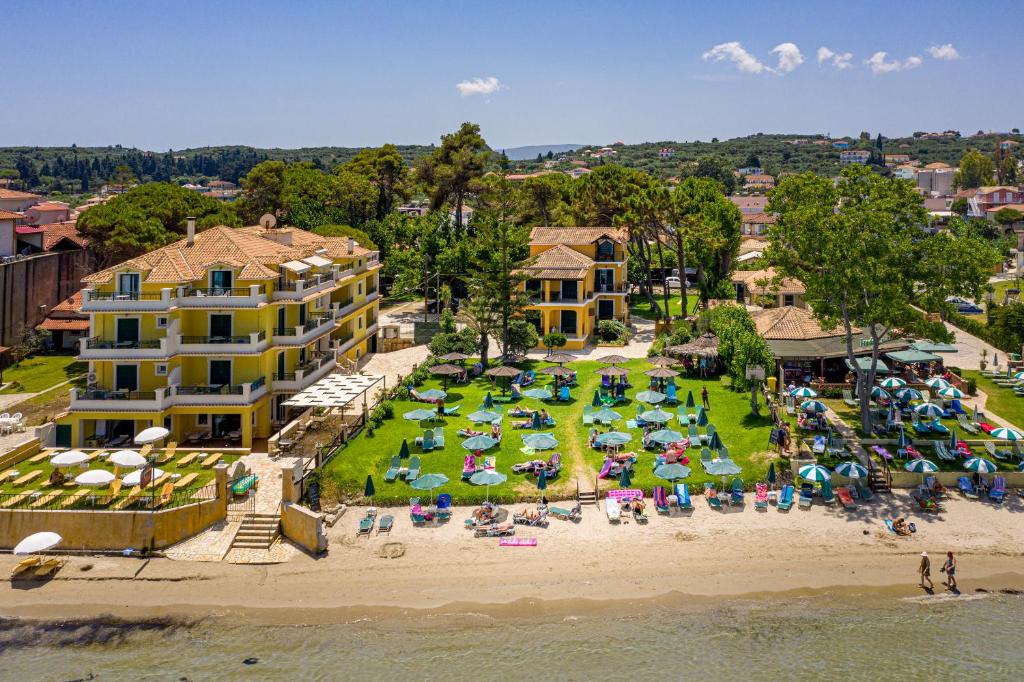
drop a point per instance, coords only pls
(963, 306)
(673, 282)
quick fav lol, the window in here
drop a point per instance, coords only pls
(360, 325)
(161, 370)
(788, 299)
(221, 280)
(161, 322)
(202, 419)
(568, 322)
(359, 288)
(128, 284)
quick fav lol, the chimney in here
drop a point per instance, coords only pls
(190, 235)
(351, 245)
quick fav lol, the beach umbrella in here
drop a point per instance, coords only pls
(715, 442)
(488, 401)
(557, 371)
(624, 478)
(672, 472)
(368, 490)
(665, 436)
(980, 465)
(614, 438)
(901, 440)
(419, 414)
(127, 458)
(538, 393)
(559, 358)
(953, 440)
(71, 458)
(542, 480)
(481, 442)
(596, 402)
(951, 393)
(909, 394)
(814, 473)
(403, 452)
(433, 394)
(612, 360)
(938, 383)
(94, 477)
(723, 468)
(921, 466)
(880, 393)
(1003, 433)
(928, 410)
(662, 361)
(151, 435)
(487, 478)
(429, 482)
(503, 371)
(651, 397)
(657, 416)
(540, 441)
(445, 370)
(702, 417)
(455, 356)
(661, 373)
(812, 406)
(804, 392)
(36, 543)
(771, 473)
(612, 372)
(690, 403)
(1019, 376)
(135, 477)
(606, 415)
(852, 469)
(893, 382)
(484, 416)
(828, 438)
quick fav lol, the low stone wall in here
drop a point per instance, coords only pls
(303, 527)
(19, 453)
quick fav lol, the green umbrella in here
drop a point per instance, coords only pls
(716, 442)
(484, 416)
(429, 482)
(814, 473)
(771, 473)
(722, 468)
(880, 393)
(908, 394)
(1003, 433)
(614, 438)
(929, 410)
(606, 415)
(672, 472)
(812, 406)
(596, 402)
(951, 393)
(540, 441)
(651, 397)
(981, 465)
(665, 436)
(403, 452)
(624, 478)
(538, 393)
(419, 414)
(804, 392)
(542, 480)
(657, 416)
(487, 478)
(481, 442)
(852, 469)
(689, 399)
(921, 466)
(369, 491)
(488, 401)
(953, 441)
(702, 417)
(433, 394)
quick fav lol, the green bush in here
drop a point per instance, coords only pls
(555, 340)
(972, 387)
(464, 341)
(612, 330)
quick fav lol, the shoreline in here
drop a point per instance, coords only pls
(588, 568)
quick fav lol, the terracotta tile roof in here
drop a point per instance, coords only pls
(57, 232)
(14, 194)
(576, 236)
(249, 248)
(749, 279)
(766, 218)
(9, 215)
(751, 244)
(997, 188)
(1015, 207)
(49, 206)
(937, 165)
(57, 325)
(70, 305)
(28, 229)
(560, 262)
(791, 324)
(749, 202)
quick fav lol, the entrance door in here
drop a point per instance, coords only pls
(302, 314)
(220, 372)
(281, 315)
(605, 309)
(127, 332)
(280, 364)
(128, 285)
(605, 279)
(220, 327)
(126, 377)
(568, 322)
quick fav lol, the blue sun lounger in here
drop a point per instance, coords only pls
(785, 501)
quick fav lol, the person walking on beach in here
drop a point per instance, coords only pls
(925, 569)
(949, 568)
(704, 398)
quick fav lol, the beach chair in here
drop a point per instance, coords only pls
(28, 478)
(863, 491)
(133, 496)
(925, 502)
(806, 494)
(790, 405)
(818, 447)
(452, 411)
(711, 495)
(45, 499)
(413, 472)
(386, 523)
(660, 499)
(966, 487)
(438, 438)
(938, 427)
(567, 514)
(18, 499)
(848, 398)
(392, 473)
(26, 564)
(416, 513)
(74, 497)
(845, 498)
(48, 567)
(942, 452)
(168, 453)
(827, 494)
(838, 447)
(683, 497)
(426, 441)
(563, 394)
(146, 449)
(761, 498)
(211, 460)
(997, 493)
(186, 480)
(187, 459)
(588, 415)
(736, 492)
(115, 489)
(366, 523)
(45, 454)
(918, 425)
(670, 394)
(444, 506)
(992, 450)
(785, 501)
(611, 508)
(705, 458)
(691, 432)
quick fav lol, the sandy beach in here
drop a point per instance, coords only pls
(707, 555)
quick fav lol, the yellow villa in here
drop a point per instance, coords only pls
(577, 276)
(209, 335)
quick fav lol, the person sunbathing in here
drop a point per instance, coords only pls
(520, 411)
(530, 514)
(638, 505)
(900, 526)
(469, 433)
(525, 424)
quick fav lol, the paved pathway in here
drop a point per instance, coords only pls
(395, 364)
(11, 399)
(968, 350)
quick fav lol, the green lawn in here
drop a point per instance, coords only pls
(39, 373)
(639, 306)
(1001, 400)
(851, 416)
(347, 472)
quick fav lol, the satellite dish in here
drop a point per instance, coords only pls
(267, 220)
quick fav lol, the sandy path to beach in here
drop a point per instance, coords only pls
(708, 554)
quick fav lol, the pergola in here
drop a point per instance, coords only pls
(336, 390)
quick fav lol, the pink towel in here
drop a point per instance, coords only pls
(517, 542)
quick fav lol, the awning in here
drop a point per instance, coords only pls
(334, 390)
(929, 347)
(912, 356)
(318, 261)
(297, 266)
(865, 365)
(750, 255)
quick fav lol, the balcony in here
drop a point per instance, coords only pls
(100, 400)
(298, 289)
(127, 301)
(307, 374)
(96, 348)
(238, 297)
(373, 259)
(343, 308)
(221, 394)
(305, 333)
(256, 342)
(610, 288)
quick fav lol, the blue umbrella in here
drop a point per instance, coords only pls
(672, 472)
(596, 402)
(488, 401)
(538, 393)
(665, 436)
(771, 473)
(542, 480)
(484, 416)
(702, 417)
(716, 442)
(369, 490)
(606, 415)
(487, 478)
(481, 442)
(540, 441)
(614, 438)
(689, 399)
(403, 452)
(657, 416)
(652, 397)
(624, 478)
(433, 394)
(419, 415)
(953, 442)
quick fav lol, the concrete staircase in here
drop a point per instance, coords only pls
(258, 531)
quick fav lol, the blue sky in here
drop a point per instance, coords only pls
(159, 75)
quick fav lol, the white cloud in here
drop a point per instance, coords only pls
(735, 53)
(946, 51)
(878, 64)
(479, 86)
(840, 60)
(789, 57)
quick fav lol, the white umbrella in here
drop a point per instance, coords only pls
(1003, 433)
(37, 542)
(815, 473)
(69, 458)
(151, 435)
(135, 477)
(127, 458)
(94, 477)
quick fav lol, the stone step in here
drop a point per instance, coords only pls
(251, 545)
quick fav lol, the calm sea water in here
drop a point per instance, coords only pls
(813, 638)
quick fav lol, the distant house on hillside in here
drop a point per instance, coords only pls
(840, 144)
(753, 204)
(749, 170)
(67, 323)
(1008, 144)
(984, 201)
(47, 212)
(759, 182)
(896, 159)
(577, 173)
(13, 200)
(905, 172)
(666, 153)
(756, 224)
(854, 156)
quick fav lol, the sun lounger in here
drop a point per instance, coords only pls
(790, 405)
(28, 478)
(806, 494)
(386, 523)
(211, 460)
(925, 502)
(366, 523)
(712, 495)
(413, 472)
(660, 499)
(392, 473)
(444, 506)
(244, 484)
(18, 499)
(187, 459)
(998, 490)
(705, 458)
(611, 508)
(588, 415)
(26, 564)
(130, 499)
(882, 452)
(761, 499)
(166, 493)
(185, 481)
(115, 488)
(845, 497)
(863, 492)
(785, 501)
(990, 447)
(682, 491)
(45, 499)
(168, 453)
(438, 437)
(827, 494)
(848, 398)
(736, 492)
(966, 487)
(48, 567)
(74, 497)
(567, 514)
(146, 449)
(495, 531)
(942, 452)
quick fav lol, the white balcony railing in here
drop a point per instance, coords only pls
(94, 301)
(256, 342)
(305, 333)
(238, 297)
(306, 286)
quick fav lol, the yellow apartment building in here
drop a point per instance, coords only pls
(209, 335)
(577, 276)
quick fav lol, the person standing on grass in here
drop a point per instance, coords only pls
(925, 569)
(704, 397)
(949, 568)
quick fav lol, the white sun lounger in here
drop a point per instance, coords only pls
(611, 506)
